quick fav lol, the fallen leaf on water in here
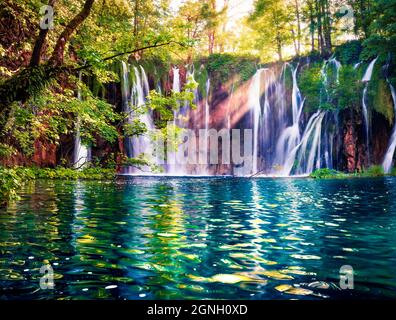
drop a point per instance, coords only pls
(286, 288)
(283, 287)
(299, 291)
(276, 275)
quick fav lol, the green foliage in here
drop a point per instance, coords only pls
(373, 171)
(201, 76)
(348, 90)
(382, 37)
(381, 98)
(273, 19)
(29, 82)
(379, 94)
(11, 179)
(326, 173)
(288, 76)
(335, 93)
(10, 182)
(165, 105)
(310, 84)
(65, 173)
(221, 67)
(349, 52)
(157, 66)
(6, 151)
(134, 128)
(51, 115)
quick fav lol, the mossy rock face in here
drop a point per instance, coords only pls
(382, 101)
(201, 76)
(380, 98)
(288, 74)
(154, 66)
(310, 84)
(222, 67)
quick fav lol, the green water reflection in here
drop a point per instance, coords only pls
(221, 238)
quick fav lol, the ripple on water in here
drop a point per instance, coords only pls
(159, 238)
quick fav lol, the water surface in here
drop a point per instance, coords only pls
(198, 238)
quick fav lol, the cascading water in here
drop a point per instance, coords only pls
(204, 148)
(255, 107)
(286, 140)
(290, 136)
(82, 153)
(176, 88)
(175, 168)
(134, 100)
(388, 159)
(301, 155)
(366, 79)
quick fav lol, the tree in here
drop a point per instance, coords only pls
(382, 39)
(33, 79)
(271, 18)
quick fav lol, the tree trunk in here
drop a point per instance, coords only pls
(296, 50)
(298, 27)
(58, 54)
(320, 27)
(312, 25)
(327, 26)
(40, 42)
(279, 45)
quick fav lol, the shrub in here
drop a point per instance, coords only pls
(12, 179)
(349, 52)
(347, 92)
(222, 67)
(310, 83)
(373, 171)
(326, 173)
(10, 182)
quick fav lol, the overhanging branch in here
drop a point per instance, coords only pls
(155, 45)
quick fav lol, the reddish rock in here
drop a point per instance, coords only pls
(44, 154)
(350, 146)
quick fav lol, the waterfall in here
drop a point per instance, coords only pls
(255, 107)
(308, 151)
(369, 71)
(286, 141)
(134, 100)
(290, 136)
(141, 144)
(181, 120)
(204, 170)
(366, 79)
(270, 129)
(338, 66)
(388, 159)
(176, 88)
(312, 134)
(314, 148)
(82, 153)
(296, 98)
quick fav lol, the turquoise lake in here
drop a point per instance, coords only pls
(201, 238)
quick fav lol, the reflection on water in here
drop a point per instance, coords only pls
(220, 238)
